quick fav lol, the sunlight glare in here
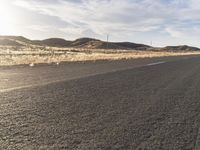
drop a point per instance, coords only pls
(6, 19)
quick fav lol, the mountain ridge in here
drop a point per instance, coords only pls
(87, 43)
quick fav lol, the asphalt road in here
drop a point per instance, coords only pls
(147, 104)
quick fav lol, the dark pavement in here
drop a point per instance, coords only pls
(148, 104)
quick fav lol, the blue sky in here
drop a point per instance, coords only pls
(164, 22)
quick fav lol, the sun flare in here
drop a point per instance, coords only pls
(7, 19)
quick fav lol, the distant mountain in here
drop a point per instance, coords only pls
(8, 42)
(78, 43)
(98, 44)
(83, 42)
(180, 48)
(87, 43)
(55, 42)
(130, 45)
(18, 39)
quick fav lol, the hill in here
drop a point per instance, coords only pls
(17, 39)
(8, 42)
(180, 48)
(92, 44)
(87, 43)
(78, 43)
(55, 42)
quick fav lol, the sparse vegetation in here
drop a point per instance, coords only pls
(10, 55)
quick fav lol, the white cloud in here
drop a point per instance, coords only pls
(117, 17)
(174, 32)
(100, 16)
(40, 28)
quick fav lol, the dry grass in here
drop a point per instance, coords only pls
(33, 55)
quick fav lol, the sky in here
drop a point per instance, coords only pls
(160, 22)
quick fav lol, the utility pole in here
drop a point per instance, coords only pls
(107, 41)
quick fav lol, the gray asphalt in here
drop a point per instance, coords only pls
(145, 104)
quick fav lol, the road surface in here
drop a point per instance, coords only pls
(147, 104)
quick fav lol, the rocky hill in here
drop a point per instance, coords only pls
(181, 48)
(78, 43)
(87, 43)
